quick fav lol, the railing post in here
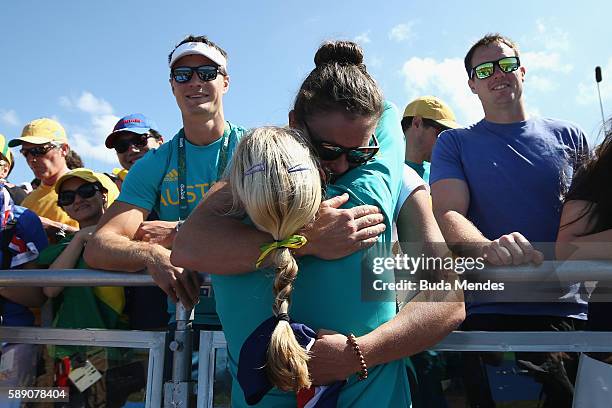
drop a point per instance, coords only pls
(178, 391)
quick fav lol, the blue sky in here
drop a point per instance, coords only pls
(87, 63)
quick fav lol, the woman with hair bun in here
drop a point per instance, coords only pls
(359, 142)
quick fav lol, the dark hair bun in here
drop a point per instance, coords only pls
(340, 52)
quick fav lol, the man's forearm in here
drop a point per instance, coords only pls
(217, 244)
(418, 326)
(462, 237)
(115, 252)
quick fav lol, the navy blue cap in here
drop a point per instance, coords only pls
(252, 375)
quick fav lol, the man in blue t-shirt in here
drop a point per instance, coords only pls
(496, 188)
(23, 237)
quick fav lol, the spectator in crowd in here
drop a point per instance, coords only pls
(74, 161)
(45, 147)
(23, 238)
(417, 230)
(424, 119)
(7, 163)
(585, 232)
(357, 137)
(191, 162)
(496, 188)
(132, 137)
(85, 196)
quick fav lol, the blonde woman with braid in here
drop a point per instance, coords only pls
(276, 182)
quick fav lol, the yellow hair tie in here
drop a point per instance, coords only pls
(293, 242)
(121, 173)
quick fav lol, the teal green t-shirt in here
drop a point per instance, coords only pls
(152, 184)
(328, 294)
(421, 169)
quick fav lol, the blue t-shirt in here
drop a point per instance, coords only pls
(28, 241)
(328, 294)
(152, 184)
(516, 174)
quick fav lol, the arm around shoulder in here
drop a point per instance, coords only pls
(212, 241)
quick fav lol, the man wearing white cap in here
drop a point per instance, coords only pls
(190, 164)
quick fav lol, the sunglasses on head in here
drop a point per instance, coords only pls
(122, 145)
(354, 155)
(87, 190)
(205, 73)
(38, 150)
(486, 69)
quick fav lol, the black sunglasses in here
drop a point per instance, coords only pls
(67, 197)
(122, 145)
(354, 155)
(38, 150)
(205, 73)
(486, 69)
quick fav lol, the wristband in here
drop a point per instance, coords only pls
(352, 341)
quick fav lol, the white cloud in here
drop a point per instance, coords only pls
(9, 117)
(542, 83)
(374, 62)
(554, 39)
(65, 102)
(445, 79)
(364, 38)
(90, 104)
(88, 141)
(402, 32)
(541, 60)
(587, 88)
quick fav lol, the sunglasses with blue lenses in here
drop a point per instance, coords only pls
(486, 69)
(205, 73)
(87, 190)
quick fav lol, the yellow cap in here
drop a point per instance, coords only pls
(91, 177)
(5, 151)
(41, 131)
(430, 107)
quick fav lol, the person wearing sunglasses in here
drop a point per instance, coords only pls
(44, 146)
(132, 137)
(357, 137)
(423, 121)
(191, 162)
(496, 189)
(85, 195)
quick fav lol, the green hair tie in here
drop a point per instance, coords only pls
(293, 242)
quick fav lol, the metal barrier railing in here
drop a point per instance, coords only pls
(155, 342)
(178, 390)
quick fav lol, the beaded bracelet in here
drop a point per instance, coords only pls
(352, 341)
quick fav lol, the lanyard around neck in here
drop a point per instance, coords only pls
(182, 168)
